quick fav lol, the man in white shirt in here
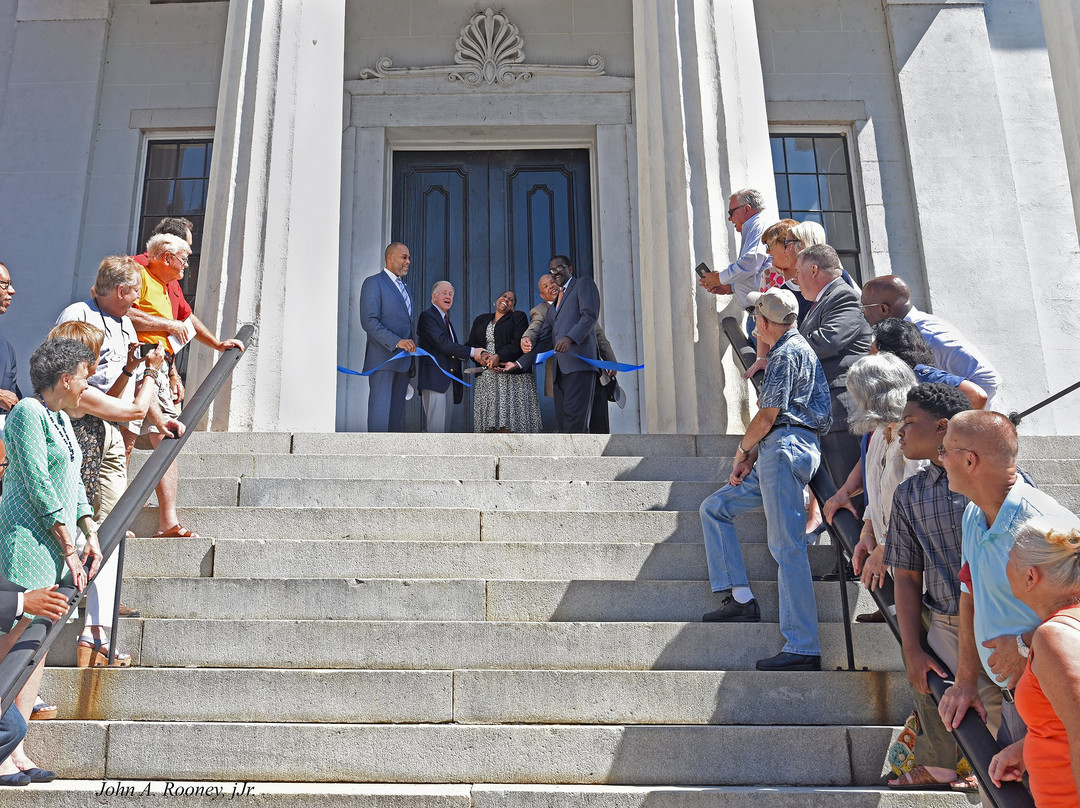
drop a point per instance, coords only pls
(889, 296)
(745, 211)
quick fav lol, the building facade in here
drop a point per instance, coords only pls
(935, 139)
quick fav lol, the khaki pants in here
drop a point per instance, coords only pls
(936, 746)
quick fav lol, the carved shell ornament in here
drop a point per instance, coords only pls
(490, 51)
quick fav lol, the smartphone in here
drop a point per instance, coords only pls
(144, 349)
(702, 269)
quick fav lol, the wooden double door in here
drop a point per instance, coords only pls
(489, 221)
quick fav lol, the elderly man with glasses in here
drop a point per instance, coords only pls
(155, 322)
(745, 212)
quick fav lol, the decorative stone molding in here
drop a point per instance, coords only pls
(490, 51)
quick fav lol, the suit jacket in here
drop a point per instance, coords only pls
(9, 602)
(575, 319)
(840, 336)
(432, 337)
(508, 332)
(385, 318)
(536, 320)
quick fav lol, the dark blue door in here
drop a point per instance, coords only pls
(488, 222)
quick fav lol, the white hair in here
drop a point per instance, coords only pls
(165, 243)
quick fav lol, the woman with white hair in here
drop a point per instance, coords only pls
(879, 384)
(1044, 573)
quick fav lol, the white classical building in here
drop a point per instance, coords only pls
(934, 139)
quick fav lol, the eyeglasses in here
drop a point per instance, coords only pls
(942, 451)
(871, 305)
(6, 286)
(788, 242)
(731, 211)
(183, 261)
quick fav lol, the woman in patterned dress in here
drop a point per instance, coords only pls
(88, 423)
(44, 497)
(503, 402)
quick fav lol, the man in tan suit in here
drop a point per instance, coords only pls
(549, 291)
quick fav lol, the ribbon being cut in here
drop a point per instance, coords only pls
(540, 359)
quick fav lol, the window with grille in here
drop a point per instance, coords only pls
(813, 181)
(176, 181)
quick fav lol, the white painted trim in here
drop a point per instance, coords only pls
(979, 3)
(60, 10)
(173, 118)
(815, 112)
(858, 198)
(422, 114)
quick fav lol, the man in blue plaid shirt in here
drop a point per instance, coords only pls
(924, 548)
(776, 458)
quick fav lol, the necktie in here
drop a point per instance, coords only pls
(449, 329)
(405, 294)
(558, 300)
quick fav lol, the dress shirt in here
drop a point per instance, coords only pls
(745, 274)
(925, 535)
(886, 467)
(953, 354)
(986, 552)
(795, 383)
(399, 284)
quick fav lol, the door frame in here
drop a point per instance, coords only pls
(388, 115)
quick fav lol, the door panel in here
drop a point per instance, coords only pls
(488, 222)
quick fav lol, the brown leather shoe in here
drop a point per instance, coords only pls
(127, 611)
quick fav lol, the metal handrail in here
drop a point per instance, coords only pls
(38, 637)
(972, 736)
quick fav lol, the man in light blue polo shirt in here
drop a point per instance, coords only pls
(979, 453)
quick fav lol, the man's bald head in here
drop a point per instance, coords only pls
(988, 434)
(885, 297)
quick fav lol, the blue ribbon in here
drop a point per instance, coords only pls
(596, 363)
(399, 355)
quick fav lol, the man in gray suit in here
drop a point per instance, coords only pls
(386, 314)
(569, 324)
(839, 335)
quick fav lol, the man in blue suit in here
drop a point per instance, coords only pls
(570, 324)
(386, 314)
(438, 337)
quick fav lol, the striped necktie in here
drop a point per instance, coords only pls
(405, 294)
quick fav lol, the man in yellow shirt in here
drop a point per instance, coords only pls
(167, 259)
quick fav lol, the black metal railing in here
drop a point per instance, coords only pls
(972, 736)
(35, 641)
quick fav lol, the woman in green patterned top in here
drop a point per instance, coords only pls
(44, 497)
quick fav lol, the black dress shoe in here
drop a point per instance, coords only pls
(786, 661)
(734, 612)
(834, 575)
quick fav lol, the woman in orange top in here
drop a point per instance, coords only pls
(1044, 572)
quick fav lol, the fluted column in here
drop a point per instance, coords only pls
(702, 132)
(270, 247)
(1061, 22)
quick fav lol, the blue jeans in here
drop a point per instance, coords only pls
(12, 731)
(787, 459)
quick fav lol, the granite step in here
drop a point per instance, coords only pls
(448, 753)
(478, 696)
(451, 645)
(455, 599)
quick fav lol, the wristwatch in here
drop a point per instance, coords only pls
(1022, 647)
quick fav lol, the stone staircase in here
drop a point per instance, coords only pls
(467, 620)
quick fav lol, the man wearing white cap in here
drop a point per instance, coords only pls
(776, 458)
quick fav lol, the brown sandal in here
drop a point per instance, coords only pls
(94, 653)
(177, 531)
(919, 779)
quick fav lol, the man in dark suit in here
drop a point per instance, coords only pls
(386, 314)
(569, 325)
(437, 336)
(839, 335)
(14, 602)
